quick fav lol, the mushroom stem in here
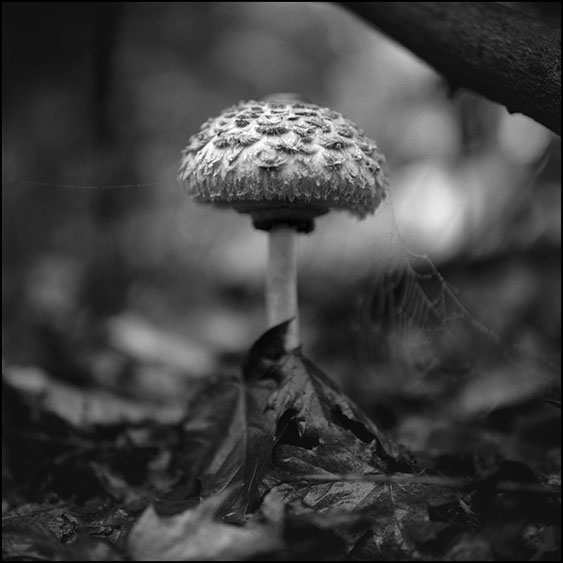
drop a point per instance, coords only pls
(281, 282)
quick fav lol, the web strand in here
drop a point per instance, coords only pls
(38, 183)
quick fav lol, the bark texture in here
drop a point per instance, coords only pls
(503, 54)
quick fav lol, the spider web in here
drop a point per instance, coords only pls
(413, 318)
(411, 315)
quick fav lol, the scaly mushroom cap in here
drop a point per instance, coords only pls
(283, 160)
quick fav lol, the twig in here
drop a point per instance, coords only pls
(12, 516)
(436, 481)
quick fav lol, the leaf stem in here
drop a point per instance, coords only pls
(436, 481)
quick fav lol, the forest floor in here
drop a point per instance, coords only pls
(115, 452)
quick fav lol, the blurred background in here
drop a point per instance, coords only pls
(112, 277)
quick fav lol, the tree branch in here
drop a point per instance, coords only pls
(505, 55)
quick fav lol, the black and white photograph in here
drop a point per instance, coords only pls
(281, 281)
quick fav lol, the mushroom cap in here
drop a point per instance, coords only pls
(284, 160)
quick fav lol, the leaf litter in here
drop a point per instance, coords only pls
(276, 464)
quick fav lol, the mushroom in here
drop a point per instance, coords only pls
(285, 162)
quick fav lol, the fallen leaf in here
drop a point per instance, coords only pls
(242, 432)
(25, 539)
(195, 535)
(287, 420)
(81, 407)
